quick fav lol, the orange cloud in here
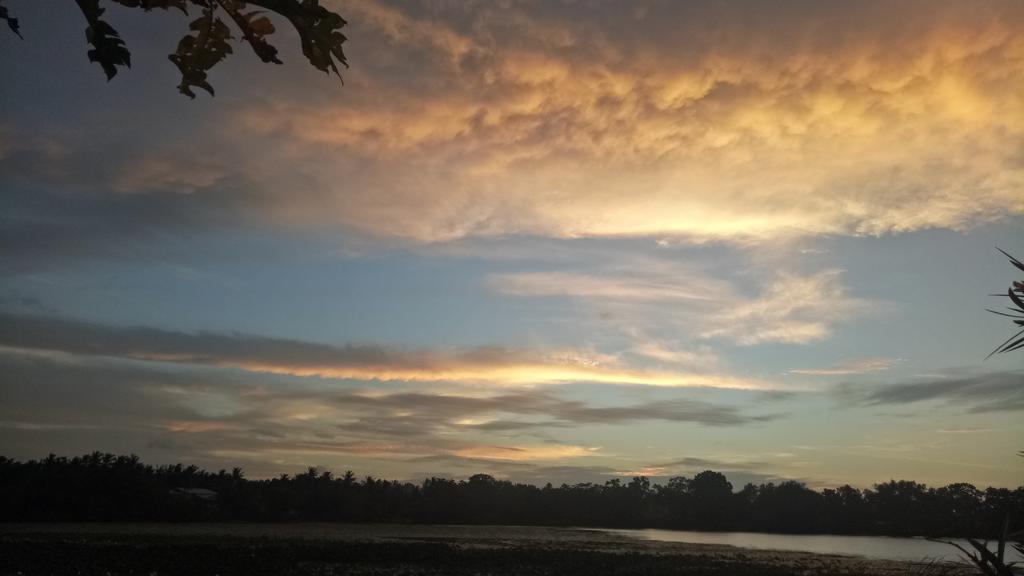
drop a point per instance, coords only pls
(524, 453)
(486, 366)
(536, 122)
(537, 373)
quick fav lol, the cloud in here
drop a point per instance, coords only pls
(965, 430)
(619, 288)
(860, 366)
(669, 353)
(168, 174)
(702, 121)
(793, 309)
(481, 365)
(44, 226)
(225, 417)
(524, 453)
(419, 412)
(977, 393)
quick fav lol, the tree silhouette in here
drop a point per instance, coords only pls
(105, 487)
(206, 44)
(1016, 312)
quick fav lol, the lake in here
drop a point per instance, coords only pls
(856, 548)
(880, 547)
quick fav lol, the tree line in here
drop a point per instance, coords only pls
(107, 487)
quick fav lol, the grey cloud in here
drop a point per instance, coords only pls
(44, 391)
(40, 228)
(978, 393)
(695, 463)
(398, 415)
(74, 407)
(92, 339)
(558, 475)
(692, 462)
(427, 411)
(673, 410)
(60, 405)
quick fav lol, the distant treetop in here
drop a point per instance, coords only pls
(206, 44)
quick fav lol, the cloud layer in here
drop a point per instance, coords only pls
(82, 403)
(790, 308)
(860, 366)
(700, 120)
(483, 365)
(978, 393)
(697, 120)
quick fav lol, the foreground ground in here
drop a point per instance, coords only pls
(312, 549)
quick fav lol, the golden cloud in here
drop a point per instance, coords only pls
(860, 366)
(540, 372)
(866, 118)
(524, 453)
(486, 366)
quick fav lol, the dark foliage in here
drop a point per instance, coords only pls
(104, 487)
(319, 32)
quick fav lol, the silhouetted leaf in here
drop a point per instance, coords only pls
(254, 27)
(12, 23)
(1019, 343)
(108, 49)
(1016, 295)
(318, 29)
(1002, 347)
(198, 53)
(148, 5)
(1014, 261)
(1016, 299)
(1004, 313)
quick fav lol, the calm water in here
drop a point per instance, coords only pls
(870, 546)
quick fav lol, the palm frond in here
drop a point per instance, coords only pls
(1016, 295)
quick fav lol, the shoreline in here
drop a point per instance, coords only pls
(402, 549)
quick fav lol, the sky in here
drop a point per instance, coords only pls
(549, 241)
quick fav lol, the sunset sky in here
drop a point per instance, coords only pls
(549, 241)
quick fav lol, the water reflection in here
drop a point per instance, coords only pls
(880, 547)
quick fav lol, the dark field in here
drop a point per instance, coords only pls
(412, 550)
